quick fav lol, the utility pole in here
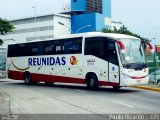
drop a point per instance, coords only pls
(154, 59)
(35, 22)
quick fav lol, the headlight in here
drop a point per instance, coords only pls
(125, 76)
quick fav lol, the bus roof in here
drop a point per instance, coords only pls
(2, 47)
(89, 34)
(111, 35)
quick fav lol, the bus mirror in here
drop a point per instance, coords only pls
(149, 48)
(122, 47)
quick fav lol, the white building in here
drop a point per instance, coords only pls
(42, 27)
(116, 24)
(38, 28)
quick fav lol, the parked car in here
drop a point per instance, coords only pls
(155, 76)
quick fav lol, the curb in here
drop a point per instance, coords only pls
(147, 88)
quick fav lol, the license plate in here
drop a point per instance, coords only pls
(138, 81)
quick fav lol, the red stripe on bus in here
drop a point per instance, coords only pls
(17, 75)
(138, 77)
(103, 83)
(52, 78)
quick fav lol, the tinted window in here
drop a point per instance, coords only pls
(11, 50)
(101, 47)
(31, 49)
(96, 46)
(112, 54)
(52, 47)
(72, 46)
(27, 49)
(63, 46)
(94, 6)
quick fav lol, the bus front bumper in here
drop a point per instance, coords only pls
(131, 81)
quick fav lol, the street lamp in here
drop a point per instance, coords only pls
(7, 41)
(66, 26)
(35, 22)
(83, 28)
(154, 58)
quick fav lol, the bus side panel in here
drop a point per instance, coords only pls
(100, 68)
(103, 83)
(41, 77)
(16, 75)
(69, 80)
(52, 78)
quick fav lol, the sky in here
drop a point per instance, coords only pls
(139, 16)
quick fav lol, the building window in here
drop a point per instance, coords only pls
(39, 37)
(32, 20)
(45, 28)
(94, 6)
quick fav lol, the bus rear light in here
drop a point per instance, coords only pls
(122, 47)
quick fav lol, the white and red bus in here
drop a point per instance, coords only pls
(95, 59)
(2, 62)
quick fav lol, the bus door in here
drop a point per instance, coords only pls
(113, 65)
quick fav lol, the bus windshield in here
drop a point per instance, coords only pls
(134, 57)
(2, 59)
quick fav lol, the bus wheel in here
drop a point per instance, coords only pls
(92, 82)
(158, 82)
(49, 83)
(28, 79)
(116, 88)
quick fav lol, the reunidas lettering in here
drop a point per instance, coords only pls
(46, 61)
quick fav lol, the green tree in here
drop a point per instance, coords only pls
(5, 27)
(123, 30)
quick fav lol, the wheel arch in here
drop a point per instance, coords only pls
(89, 74)
(25, 73)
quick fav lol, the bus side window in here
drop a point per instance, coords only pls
(48, 48)
(53, 47)
(58, 47)
(96, 46)
(34, 50)
(112, 54)
(12, 50)
(72, 46)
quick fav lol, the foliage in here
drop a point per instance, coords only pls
(5, 27)
(123, 30)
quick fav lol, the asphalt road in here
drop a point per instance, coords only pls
(76, 99)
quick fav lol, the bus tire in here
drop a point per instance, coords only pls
(28, 79)
(158, 82)
(92, 82)
(116, 88)
(49, 83)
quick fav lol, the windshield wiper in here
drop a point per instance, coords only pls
(140, 49)
(136, 66)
